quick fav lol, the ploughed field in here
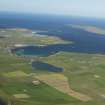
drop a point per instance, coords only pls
(60, 78)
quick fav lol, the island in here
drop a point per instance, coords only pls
(89, 28)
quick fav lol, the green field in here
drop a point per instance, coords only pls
(85, 74)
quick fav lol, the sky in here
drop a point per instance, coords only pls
(90, 8)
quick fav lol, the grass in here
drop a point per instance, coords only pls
(14, 70)
(15, 74)
(60, 82)
(79, 69)
(42, 93)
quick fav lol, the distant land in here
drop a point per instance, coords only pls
(93, 29)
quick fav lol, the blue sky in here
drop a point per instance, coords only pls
(90, 8)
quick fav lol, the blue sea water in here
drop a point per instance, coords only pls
(84, 42)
